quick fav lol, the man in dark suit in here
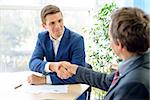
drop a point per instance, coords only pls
(56, 44)
(129, 34)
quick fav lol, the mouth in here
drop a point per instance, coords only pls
(58, 31)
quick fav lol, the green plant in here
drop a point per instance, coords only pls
(99, 52)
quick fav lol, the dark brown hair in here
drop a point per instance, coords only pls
(131, 26)
(49, 9)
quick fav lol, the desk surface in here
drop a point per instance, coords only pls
(9, 81)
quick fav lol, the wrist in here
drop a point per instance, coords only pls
(45, 81)
(75, 69)
(42, 80)
(51, 67)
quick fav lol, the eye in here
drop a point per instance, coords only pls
(60, 20)
(52, 23)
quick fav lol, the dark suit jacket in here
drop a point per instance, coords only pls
(132, 85)
(71, 49)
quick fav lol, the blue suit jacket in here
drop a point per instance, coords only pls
(71, 49)
(133, 84)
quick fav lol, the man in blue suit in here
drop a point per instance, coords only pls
(54, 45)
(129, 34)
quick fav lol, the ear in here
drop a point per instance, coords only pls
(119, 44)
(44, 26)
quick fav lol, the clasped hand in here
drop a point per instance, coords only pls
(63, 69)
(66, 70)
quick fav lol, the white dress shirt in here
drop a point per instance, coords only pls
(55, 46)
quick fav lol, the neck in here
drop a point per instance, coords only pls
(127, 55)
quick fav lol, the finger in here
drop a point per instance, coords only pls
(63, 74)
(66, 74)
(60, 75)
(65, 64)
(29, 79)
(62, 69)
(61, 64)
(72, 68)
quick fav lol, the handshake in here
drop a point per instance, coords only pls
(63, 69)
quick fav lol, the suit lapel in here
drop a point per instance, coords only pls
(133, 66)
(63, 43)
(50, 49)
(110, 91)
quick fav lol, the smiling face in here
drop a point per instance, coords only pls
(54, 24)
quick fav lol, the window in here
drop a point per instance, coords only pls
(20, 24)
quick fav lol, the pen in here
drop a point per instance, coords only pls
(17, 86)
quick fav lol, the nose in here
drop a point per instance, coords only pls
(57, 25)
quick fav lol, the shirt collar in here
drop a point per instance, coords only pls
(124, 66)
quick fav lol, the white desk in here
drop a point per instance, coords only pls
(9, 80)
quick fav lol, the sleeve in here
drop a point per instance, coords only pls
(47, 67)
(48, 80)
(37, 62)
(95, 79)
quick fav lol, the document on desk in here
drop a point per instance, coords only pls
(44, 88)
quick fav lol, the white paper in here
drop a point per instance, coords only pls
(44, 88)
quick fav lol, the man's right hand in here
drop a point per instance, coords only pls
(60, 70)
(66, 69)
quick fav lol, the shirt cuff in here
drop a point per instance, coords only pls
(47, 67)
(48, 80)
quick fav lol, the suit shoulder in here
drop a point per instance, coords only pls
(74, 35)
(77, 34)
(43, 35)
